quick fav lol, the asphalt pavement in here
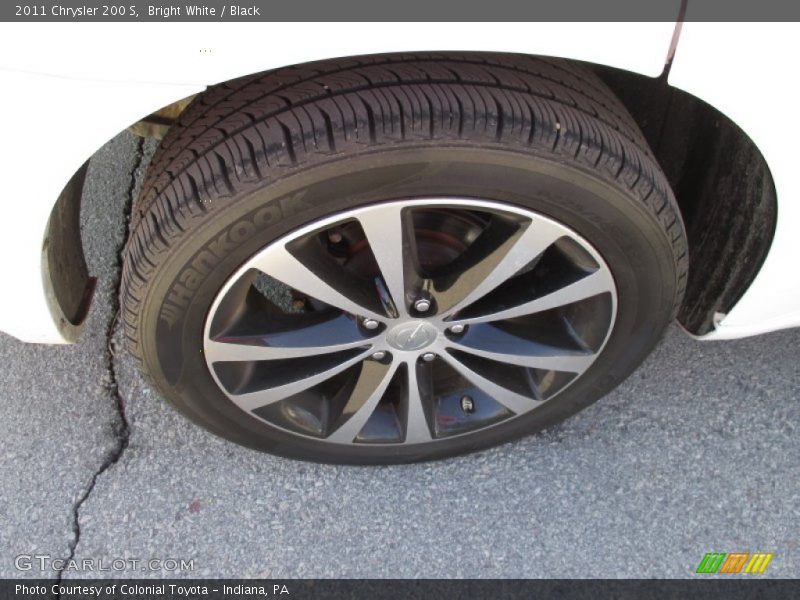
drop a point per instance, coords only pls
(697, 452)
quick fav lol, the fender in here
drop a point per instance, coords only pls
(741, 69)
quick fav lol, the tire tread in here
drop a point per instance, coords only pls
(266, 126)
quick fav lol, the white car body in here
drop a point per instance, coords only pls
(107, 77)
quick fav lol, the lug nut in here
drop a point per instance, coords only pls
(457, 329)
(335, 237)
(379, 355)
(428, 356)
(370, 324)
(422, 305)
(467, 405)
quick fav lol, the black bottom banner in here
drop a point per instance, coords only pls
(391, 589)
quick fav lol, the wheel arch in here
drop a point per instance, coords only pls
(720, 178)
(723, 186)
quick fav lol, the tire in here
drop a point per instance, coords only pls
(254, 161)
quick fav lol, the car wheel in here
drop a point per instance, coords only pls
(400, 257)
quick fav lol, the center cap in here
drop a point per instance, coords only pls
(412, 336)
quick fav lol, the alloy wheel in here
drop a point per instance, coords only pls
(410, 321)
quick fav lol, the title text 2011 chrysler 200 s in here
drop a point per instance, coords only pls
(414, 251)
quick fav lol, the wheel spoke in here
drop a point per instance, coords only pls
(367, 393)
(500, 272)
(283, 266)
(387, 230)
(224, 351)
(253, 400)
(278, 337)
(504, 262)
(417, 429)
(516, 403)
(598, 282)
(554, 359)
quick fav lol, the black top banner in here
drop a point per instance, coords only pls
(402, 11)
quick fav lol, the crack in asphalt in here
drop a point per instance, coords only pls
(121, 427)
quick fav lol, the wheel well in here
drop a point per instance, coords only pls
(721, 181)
(723, 186)
(68, 286)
